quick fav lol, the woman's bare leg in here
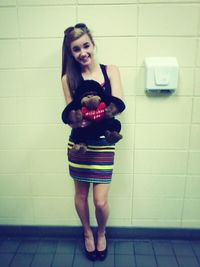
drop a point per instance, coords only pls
(100, 195)
(81, 204)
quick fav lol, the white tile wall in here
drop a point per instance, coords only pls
(183, 48)
(120, 25)
(36, 21)
(153, 208)
(11, 87)
(159, 186)
(196, 110)
(164, 110)
(168, 1)
(7, 3)
(160, 162)
(159, 136)
(193, 162)
(186, 82)
(45, 2)
(122, 50)
(15, 161)
(192, 190)
(15, 185)
(194, 142)
(40, 53)
(197, 82)
(9, 54)
(162, 20)
(157, 164)
(198, 54)
(40, 82)
(16, 207)
(129, 79)
(8, 16)
(95, 2)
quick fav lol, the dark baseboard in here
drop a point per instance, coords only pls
(112, 232)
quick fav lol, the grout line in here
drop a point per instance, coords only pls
(154, 253)
(190, 37)
(190, 130)
(134, 126)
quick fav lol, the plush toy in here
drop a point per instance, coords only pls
(93, 110)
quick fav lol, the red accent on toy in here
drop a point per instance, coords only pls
(94, 115)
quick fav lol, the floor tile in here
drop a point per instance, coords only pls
(6, 258)
(183, 248)
(63, 260)
(9, 245)
(143, 247)
(108, 262)
(63, 252)
(125, 247)
(47, 246)
(162, 247)
(125, 260)
(42, 260)
(81, 261)
(187, 261)
(22, 260)
(66, 246)
(28, 246)
(198, 259)
(79, 249)
(145, 261)
(196, 247)
(111, 246)
(167, 261)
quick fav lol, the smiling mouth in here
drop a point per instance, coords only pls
(84, 59)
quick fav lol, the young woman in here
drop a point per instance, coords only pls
(95, 166)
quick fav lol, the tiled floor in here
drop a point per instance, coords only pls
(51, 252)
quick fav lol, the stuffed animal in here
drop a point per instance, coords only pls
(93, 110)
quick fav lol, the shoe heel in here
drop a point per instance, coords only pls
(101, 255)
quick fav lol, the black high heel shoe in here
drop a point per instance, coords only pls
(91, 255)
(102, 254)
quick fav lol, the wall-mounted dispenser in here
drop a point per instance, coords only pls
(161, 74)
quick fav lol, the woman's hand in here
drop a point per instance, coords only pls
(75, 116)
(76, 119)
(80, 124)
(111, 110)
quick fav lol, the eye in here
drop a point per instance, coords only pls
(87, 45)
(76, 49)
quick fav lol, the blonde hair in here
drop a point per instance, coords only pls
(69, 65)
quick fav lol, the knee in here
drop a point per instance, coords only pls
(100, 203)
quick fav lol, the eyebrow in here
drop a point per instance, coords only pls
(77, 46)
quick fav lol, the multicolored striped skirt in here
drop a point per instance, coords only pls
(94, 166)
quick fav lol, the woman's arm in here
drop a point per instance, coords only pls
(115, 80)
(116, 85)
(75, 116)
(66, 89)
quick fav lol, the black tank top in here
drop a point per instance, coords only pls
(106, 85)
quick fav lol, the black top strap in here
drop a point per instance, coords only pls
(103, 69)
(107, 86)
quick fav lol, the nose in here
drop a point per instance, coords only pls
(83, 52)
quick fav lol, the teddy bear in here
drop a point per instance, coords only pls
(93, 111)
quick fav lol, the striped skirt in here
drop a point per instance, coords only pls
(94, 166)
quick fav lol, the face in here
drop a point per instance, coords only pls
(91, 101)
(82, 50)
